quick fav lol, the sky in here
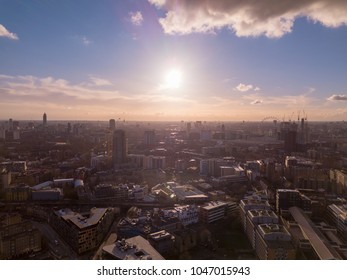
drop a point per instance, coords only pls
(210, 60)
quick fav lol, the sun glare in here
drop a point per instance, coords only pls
(173, 79)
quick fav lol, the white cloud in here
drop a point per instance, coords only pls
(99, 81)
(336, 97)
(271, 18)
(257, 101)
(85, 41)
(243, 88)
(136, 18)
(5, 33)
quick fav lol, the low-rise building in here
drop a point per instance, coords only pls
(83, 232)
(257, 217)
(250, 204)
(17, 193)
(273, 242)
(135, 248)
(163, 242)
(213, 211)
(18, 237)
(187, 214)
(337, 216)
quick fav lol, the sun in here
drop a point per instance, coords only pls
(173, 79)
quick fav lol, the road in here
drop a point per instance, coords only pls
(111, 237)
(58, 247)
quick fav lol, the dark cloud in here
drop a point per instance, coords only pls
(338, 97)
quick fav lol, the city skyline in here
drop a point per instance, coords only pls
(173, 60)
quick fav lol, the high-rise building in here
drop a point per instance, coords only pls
(119, 148)
(112, 124)
(44, 119)
(149, 138)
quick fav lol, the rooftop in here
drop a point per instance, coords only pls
(319, 243)
(213, 205)
(82, 221)
(135, 248)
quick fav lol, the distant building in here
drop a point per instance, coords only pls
(107, 191)
(5, 179)
(14, 166)
(189, 194)
(44, 119)
(119, 148)
(112, 124)
(289, 135)
(17, 193)
(46, 194)
(135, 248)
(99, 162)
(149, 138)
(84, 232)
(154, 162)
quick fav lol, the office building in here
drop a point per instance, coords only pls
(337, 217)
(187, 214)
(273, 242)
(83, 232)
(286, 198)
(135, 248)
(163, 242)
(119, 148)
(149, 138)
(112, 124)
(255, 218)
(251, 204)
(44, 119)
(212, 212)
(321, 246)
(17, 237)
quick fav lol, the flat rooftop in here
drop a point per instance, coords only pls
(319, 243)
(82, 221)
(213, 205)
(135, 248)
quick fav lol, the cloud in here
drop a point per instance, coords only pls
(58, 95)
(336, 97)
(243, 88)
(85, 41)
(257, 101)
(5, 33)
(271, 18)
(136, 18)
(99, 81)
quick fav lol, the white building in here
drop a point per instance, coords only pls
(337, 214)
(187, 214)
(273, 242)
(257, 217)
(213, 211)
